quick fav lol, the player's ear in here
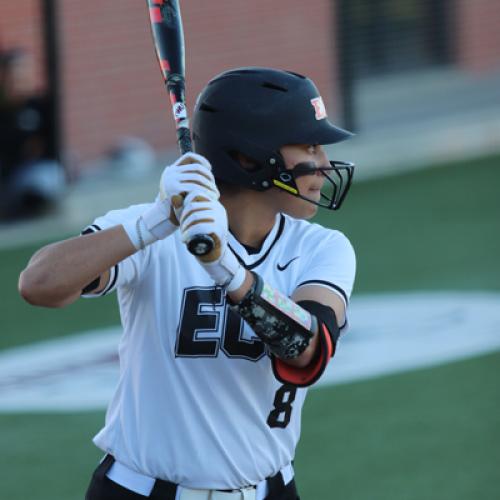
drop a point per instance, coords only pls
(246, 162)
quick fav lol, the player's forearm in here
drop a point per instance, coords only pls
(56, 274)
(305, 357)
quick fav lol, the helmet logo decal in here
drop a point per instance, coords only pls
(319, 107)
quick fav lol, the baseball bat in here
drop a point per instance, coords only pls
(168, 38)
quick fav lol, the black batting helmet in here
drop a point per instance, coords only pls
(255, 111)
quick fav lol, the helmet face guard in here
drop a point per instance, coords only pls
(336, 183)
(256, 111)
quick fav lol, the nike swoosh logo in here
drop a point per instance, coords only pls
(282, 268)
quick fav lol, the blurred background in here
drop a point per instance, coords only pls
(85, 126)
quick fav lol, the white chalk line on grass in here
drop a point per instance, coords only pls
(388, 333)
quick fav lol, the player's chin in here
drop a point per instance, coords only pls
(302, 209)
(311, 211)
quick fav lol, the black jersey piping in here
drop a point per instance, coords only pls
(258, 262)
(112, 284)
(327, 283)
(91, 229)
(240, 260)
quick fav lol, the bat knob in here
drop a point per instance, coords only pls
(201, 244)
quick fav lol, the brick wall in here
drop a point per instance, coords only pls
(20, 27)
(478, 34)
(112, 84)
(110, 88)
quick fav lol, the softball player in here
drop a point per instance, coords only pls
(217, 352)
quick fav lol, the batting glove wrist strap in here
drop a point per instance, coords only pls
(149, 227)
(157, 221)
(226, 271)
(283, 325)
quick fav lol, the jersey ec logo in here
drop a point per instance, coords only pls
(208, 325)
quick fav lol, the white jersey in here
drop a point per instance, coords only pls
(197, 402)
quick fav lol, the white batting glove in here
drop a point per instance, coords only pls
(201, 215)
(190, 171)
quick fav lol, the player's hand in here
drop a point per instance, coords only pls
(190, 172)
(203, 215)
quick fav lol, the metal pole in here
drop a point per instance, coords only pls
(51, 49)
(345, 63)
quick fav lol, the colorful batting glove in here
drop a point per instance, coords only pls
(202, 215)
(190, 171)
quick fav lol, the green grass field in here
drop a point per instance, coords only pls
(428, 434)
